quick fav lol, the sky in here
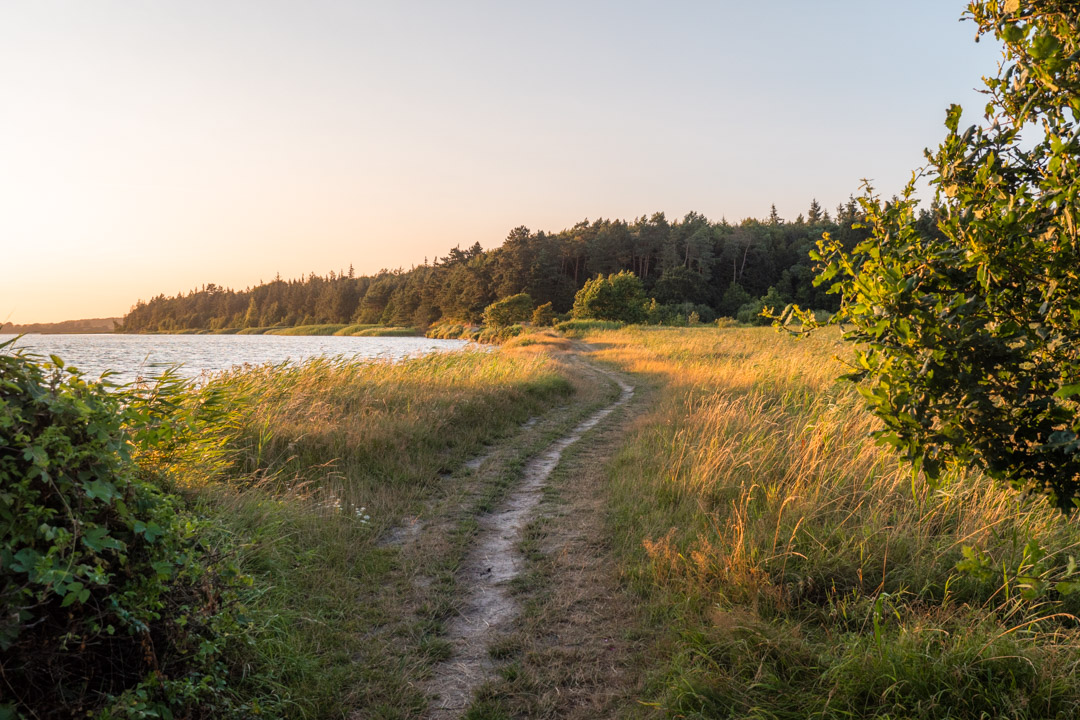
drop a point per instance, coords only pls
(150, 148)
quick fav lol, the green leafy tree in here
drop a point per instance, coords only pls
(619, 297)
(509, 311)
(968, 338)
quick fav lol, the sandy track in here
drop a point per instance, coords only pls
(488, 608)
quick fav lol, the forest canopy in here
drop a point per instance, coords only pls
(692, 261)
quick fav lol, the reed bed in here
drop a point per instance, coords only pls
(796, 569)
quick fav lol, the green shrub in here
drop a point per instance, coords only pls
(618, 297)
(509, 311)
(498, 334)
(110, 606)
(447, 331)
(677, 314)
(544, 315)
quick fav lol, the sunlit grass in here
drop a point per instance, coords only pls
(329, 329)
(309, 466)
(799, 570)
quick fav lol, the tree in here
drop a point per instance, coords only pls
(679, 284)
(969, 337)
(619, 297)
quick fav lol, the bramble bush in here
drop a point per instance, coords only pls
(110, 604)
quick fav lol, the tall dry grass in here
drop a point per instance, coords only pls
(801, 571)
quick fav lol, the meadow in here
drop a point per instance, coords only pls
(769, 559)
(301, 480)
(792, 568)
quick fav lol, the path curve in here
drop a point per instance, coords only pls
(494, 560)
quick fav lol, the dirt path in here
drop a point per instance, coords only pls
(488, 609)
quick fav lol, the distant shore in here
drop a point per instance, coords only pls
(67, 327)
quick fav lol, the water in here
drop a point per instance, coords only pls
(142, 356)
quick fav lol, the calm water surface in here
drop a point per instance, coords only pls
(135, 356)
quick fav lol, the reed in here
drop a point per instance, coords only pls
(795, 569)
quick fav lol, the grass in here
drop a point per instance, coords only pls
(328, 329)
(352, 329)
(793, 569)
(579, 328)
(387, 332)
(321, 459)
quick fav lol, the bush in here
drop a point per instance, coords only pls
(618, 297)
(498, 334)
(544, 316)
(446, 331)
(678, 314)
(508, 311)
(750, 313)
(110, 605)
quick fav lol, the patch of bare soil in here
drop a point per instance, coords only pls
(488, 609)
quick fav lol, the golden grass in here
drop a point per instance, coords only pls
(752, 498)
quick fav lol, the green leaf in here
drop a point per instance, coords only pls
(98, 539)
(952, 117)
(164, 569)
(25, 560)
(36, 455)
(1045, 46)
(100, 490)
(1068, 391)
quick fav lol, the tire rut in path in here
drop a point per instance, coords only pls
(494, 560)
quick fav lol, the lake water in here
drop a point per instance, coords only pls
(135, 356)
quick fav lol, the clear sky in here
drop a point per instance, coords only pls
(152, 147)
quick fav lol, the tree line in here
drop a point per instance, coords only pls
(717, 268)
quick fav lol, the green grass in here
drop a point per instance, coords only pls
(792, 568)
(353, 329)
(329, 329)
(388, 332)
(579, 328)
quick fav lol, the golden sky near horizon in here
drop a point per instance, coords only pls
(155, 147)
